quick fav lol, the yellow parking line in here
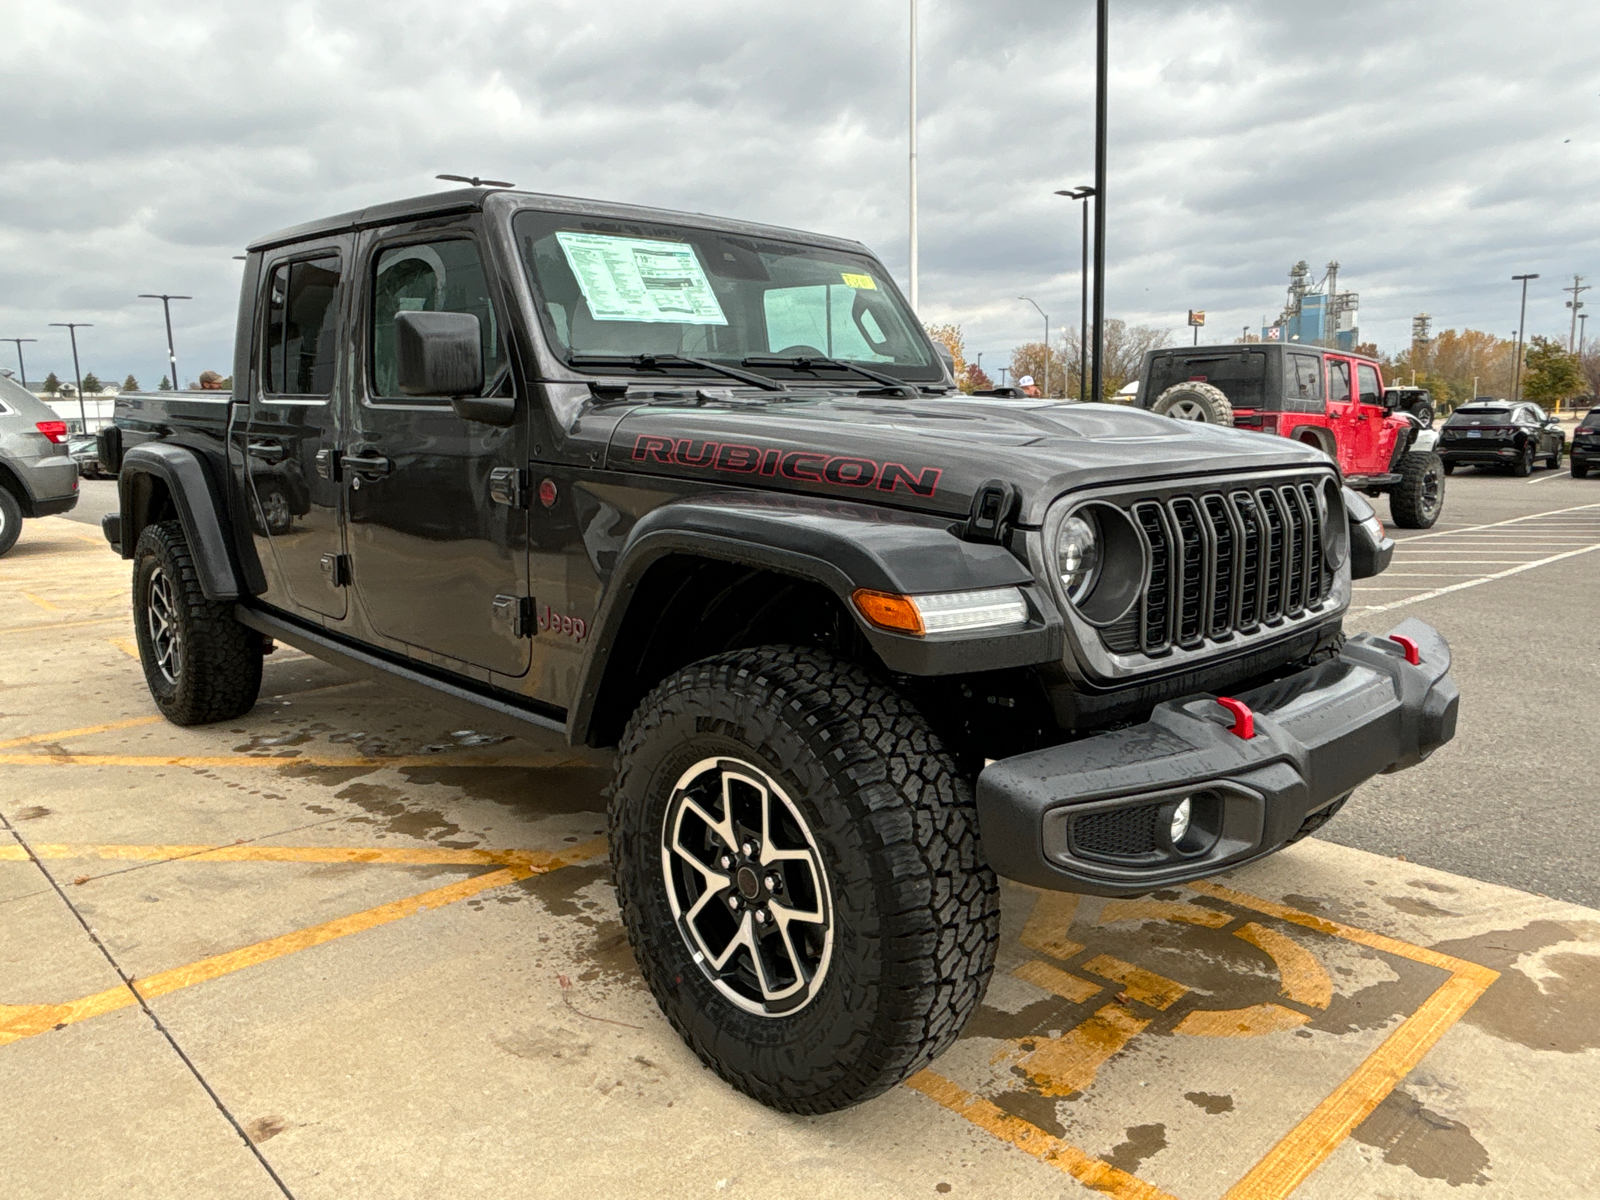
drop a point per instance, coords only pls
(22, 1021)
(1067, 1064)
(260, 760)
(40, 601)
(81, 731)
(428, 856)
(1304, 979)
(1054, 979)
(127, 645)
(1257, 1020)
(1161, 910)
(63, 625)
(1144, 986)
(1090, 1171)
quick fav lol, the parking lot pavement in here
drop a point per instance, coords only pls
(345, 946)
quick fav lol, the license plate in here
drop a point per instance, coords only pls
(1474, 433)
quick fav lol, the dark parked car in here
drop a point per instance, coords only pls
(1586, 444)
(1500, 433)
(704, 492)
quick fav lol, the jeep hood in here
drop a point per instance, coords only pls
(931, 454)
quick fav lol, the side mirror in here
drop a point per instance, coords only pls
(438, 354)
(948, 359)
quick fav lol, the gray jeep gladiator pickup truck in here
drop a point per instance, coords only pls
(704, 491)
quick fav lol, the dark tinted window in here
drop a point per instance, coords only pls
(302, 328)
(1302, 384)
(429, 277)
(1468, 416)
(1338, 380)
(1592, 420)
(1239, 375)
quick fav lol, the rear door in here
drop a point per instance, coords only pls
(437, 529)
(290, 439)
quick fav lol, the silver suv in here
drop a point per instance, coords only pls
(37, 477)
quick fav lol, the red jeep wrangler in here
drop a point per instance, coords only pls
(1328, 398)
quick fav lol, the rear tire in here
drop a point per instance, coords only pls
(1418, 499)
(882, 840)
(1580, 470)
(201, 665)
(1195, 402)
(1555, 460)
(1523, 467)
(10, 520)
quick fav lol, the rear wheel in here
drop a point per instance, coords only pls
(1418, 499)
(201, 665)
(1194, 402)
(1523, 467)
(1579, 469)
(797, 862)
(10, 520)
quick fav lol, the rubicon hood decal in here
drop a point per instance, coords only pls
(799, 466)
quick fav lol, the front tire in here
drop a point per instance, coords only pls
(788, 782)
(1418, 499)
(201, 665)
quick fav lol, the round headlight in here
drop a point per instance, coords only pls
(1078, 556)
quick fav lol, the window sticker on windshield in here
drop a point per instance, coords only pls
(632, 279)
(862, 283)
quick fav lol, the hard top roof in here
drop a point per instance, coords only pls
(1224, 347)
(505, 199)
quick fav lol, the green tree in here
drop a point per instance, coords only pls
(52, 385)
(92, 384)
(165, 385)
(1043, 363)
(1551, 374)
(1126, 346)
(130, 384)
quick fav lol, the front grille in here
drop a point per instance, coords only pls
(1224, 563)
(1117, 832)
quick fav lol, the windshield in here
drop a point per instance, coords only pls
(1463, 416)
(612, 288)
(1240, 375)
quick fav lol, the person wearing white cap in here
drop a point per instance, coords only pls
(1029, 388)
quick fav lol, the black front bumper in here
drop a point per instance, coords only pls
(1071, 817)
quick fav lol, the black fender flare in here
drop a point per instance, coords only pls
(196, 497)
(842, 546)
(1319, 436)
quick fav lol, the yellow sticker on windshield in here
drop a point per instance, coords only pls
(860, 282)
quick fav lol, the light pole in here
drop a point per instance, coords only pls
(1583, 326)
(1046, 317)
(166, 307)
(1522, 324)
(1102, 56)
(1578, 288)
(72, 328)
(1083, 192)
(913, 155)
(20, 366)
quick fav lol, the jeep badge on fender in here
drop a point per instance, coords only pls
(703, 493)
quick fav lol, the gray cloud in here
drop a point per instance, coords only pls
(1422, 144)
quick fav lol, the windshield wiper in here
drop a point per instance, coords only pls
(807, 363)
(651, 362)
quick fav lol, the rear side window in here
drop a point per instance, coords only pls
(428, 277)
(302, 336)
(1302, 384)
(1240, 375)
(1338, 380)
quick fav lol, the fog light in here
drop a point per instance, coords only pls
(1180, 821)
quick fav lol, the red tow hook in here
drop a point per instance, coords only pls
(1413, 651)
(1244, 721)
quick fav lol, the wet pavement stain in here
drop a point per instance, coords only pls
(539, 1045)
(1431, 1145)
(1211, 1104)
(1560, 1012)
(1142, 1142)
(394, 811)
(1418, 907)
(1428, 885)
(33, 812)
(1038, 1111)
(538, 790)
(263, 1128)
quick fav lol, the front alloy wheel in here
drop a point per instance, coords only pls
(166, 638)
(747, 887)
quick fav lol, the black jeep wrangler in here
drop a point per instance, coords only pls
(704, 491)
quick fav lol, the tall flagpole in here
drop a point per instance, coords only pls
(1102, 20)
(913, 155)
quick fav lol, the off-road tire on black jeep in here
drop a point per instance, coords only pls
(1523, 467)
(1418, 499)
(201, 665)
(1193, 401)
(10, 520)
(911, 910)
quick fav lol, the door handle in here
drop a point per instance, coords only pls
(271, 452)
(364, 464)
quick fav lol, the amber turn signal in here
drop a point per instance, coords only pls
(888, 611)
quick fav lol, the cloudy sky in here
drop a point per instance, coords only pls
(1433, 147)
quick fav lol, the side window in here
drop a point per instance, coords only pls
(442, 276)
(1303, 383)
(1371, 389)
(302, 336)
(1338, 380)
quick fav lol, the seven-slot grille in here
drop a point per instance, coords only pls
(1222, 563)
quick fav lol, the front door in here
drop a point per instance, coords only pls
(437, 529)
(1374, 436)
(290, 439)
